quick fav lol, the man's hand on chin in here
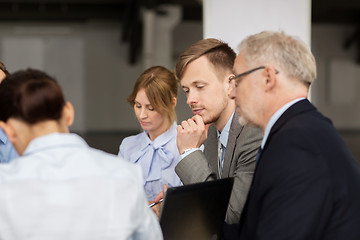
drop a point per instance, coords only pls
(192, 133)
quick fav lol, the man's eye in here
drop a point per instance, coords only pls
(199, 86)
(137, 106)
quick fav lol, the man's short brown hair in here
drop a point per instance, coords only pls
(219, 53)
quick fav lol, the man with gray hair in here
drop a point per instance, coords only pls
(306, 183)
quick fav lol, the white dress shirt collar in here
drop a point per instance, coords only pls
(54, 140)
(224, 135)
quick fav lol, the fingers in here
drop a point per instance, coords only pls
(191, 133)
(161, 194)
(179, 128)
(193, 124)
(156, 209)
(198, 120)
(185, 124)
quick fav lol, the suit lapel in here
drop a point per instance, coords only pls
(292, 111)
(234, 133)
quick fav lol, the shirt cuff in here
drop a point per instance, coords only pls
(190, 150)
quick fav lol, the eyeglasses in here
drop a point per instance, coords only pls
(235, 83)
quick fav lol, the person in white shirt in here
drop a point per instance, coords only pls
(59, 187)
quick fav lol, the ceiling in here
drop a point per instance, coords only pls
(336, 11)
(80, 10)
(323, 11)
(128, 13)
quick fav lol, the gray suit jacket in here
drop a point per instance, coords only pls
(239, 162)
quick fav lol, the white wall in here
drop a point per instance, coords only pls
(89, 62)
(335, 91)
(232, 20)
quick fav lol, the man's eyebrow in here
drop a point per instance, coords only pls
(197, 82)
(194, 83)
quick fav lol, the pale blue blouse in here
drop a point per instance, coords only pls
(157, 159)
(7, 151)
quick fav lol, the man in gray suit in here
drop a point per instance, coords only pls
(212, 143)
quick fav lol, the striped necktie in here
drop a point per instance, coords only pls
(220, 157)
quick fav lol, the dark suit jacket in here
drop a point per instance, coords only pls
(239, 162)
(306, 183)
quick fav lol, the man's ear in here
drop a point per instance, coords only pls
(271, 78)
(229, 88)
(9, 131)
(68, 114)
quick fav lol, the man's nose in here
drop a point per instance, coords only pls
(232, 94)
(191, 98)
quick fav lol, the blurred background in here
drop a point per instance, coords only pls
(96, 49)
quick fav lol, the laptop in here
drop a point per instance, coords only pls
(195, 211)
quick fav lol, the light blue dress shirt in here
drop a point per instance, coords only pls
(7, 151)
(223, 138)
(157, 159)
(63, 189)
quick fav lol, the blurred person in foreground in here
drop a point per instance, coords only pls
(60, 188)
(7, 151)
(306, 183)
(154, 99)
